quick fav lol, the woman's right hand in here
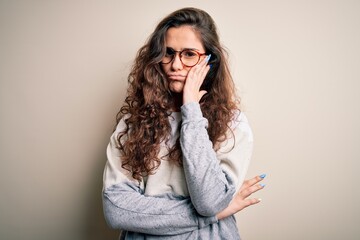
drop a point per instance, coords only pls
(194, 80)
(240, 200)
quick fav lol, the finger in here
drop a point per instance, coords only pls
(204, 61)
(202, 76)
(250, 202)
(198, 69)
(250, 190)
(202, 64)
(204, 70)
(252, 181)
(197, 76)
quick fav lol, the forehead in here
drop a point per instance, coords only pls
(183, 37)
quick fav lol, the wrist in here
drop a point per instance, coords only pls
(228, 211)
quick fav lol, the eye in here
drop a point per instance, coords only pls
(189, 53)
(169, 52)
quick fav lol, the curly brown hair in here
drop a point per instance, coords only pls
(146, 107)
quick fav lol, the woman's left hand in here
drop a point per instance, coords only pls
(241, 200)
(194, 80)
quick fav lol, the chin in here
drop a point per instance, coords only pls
(176, 87)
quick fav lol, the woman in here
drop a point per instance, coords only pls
(181, 147)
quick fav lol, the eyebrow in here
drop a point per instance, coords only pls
(184, 49)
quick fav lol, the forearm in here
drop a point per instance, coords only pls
(210, 189)
(128, 209)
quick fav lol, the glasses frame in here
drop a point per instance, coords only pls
(180, 52)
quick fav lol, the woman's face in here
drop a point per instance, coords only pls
(178, 39)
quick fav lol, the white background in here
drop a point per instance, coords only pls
(63, 70)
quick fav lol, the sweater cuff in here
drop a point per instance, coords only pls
(191, 111)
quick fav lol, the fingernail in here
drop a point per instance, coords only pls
(259, 199)
(262, 185)
(263, 175)
(208, 57)
(210, 65)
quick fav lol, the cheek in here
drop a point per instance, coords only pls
(165, 67)
(186, 70)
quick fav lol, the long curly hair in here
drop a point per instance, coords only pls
(147, 106)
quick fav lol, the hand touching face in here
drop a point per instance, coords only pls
(194, 80)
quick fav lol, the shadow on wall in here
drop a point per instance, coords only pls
(95, 224)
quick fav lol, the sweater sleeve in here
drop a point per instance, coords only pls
(213, 177)
(127, 208)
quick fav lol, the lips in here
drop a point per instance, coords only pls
(176, 77)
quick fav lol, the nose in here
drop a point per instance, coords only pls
(176, 63)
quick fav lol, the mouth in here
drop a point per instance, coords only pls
(177, 77)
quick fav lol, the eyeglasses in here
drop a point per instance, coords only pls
(188, 57)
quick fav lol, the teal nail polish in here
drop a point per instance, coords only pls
(262, 185)
(263, 175)
(208, 57)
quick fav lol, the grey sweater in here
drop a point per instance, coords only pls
(180, 202)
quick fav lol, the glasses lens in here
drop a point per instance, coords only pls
(169, 55)
(189, 58)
